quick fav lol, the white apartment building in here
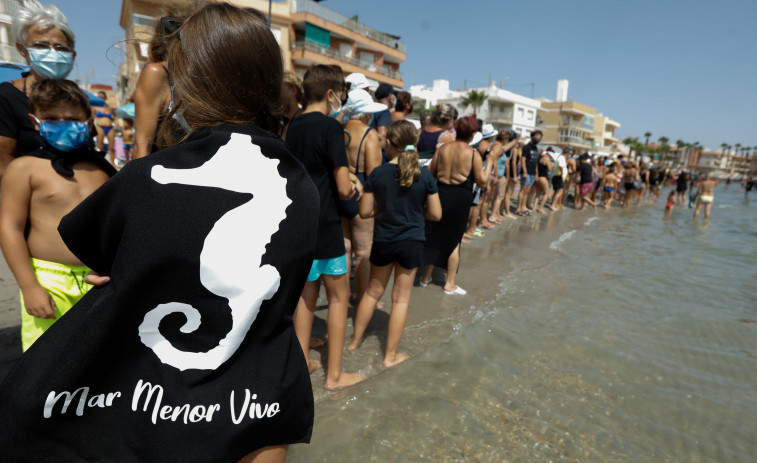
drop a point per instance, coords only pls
(503, 109)
(8, 52)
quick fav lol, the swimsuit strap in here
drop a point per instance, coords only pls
(359, 147)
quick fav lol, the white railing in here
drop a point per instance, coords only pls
(308, 6)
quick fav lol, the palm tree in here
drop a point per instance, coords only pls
(724, 146)
(475, 99)
(663, 140)
(631, 142)
(647, 135)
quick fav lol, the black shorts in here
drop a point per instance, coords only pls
(557, 182)
(407, 253)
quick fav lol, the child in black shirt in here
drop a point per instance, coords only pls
(399, 195)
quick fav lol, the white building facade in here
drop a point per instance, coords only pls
(503, 109)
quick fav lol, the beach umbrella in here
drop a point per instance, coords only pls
(94, 100)
(11, 71)
(126, 111)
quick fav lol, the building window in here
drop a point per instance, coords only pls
(520, 112)
(530, 115)
(143, 20)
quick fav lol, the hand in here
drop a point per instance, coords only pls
(95, 279)
(38, 302)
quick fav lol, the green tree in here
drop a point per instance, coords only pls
(647, 135)
(421, 110)
(632, 143)
(475, 99)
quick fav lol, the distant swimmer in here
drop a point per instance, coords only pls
(750, 184)
(706, 194)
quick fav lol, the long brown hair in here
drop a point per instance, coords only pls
(226, 67)
(404, 136)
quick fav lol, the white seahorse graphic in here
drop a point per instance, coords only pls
(231, 254)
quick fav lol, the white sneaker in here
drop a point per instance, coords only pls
(460, 291)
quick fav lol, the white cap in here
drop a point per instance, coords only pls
(360, 101)
(357, 81)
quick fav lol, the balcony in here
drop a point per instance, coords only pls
(577, 141)
(308, 6)
(572, 123)
(308, 45)
(501, 116)
(10, 54)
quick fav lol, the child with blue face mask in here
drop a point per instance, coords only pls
(39, 188)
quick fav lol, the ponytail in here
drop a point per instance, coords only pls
(409, 169)
(404, 133)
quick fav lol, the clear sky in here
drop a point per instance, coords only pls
(685, 69)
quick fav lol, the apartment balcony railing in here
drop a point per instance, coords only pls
(308, 6)
(576, 141)
(336, 54)
(572, 123)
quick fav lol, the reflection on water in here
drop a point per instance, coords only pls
(618, 336)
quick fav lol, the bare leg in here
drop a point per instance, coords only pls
(337, 291)
(347, 232)
(698, 208)
(707, 208)
(376, 287)
(556, 200)
(544, 187)
(271, 454)
(403, 285)
(100, 138)
(506, 202)
(426, 275)
(303, 320)
(362, 239)
(452, 263)
(501, 187)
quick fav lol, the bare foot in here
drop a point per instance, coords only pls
(345, 380)
(313, 365)
(399, 357)
(466, 240)
(354, 344)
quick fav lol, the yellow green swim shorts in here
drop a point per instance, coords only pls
(66, 285)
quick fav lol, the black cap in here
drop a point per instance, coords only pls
(383, 91)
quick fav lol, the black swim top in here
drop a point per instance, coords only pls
(427, 143)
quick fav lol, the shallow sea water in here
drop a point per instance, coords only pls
(607, 336)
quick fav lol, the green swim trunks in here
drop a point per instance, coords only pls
(65, 283)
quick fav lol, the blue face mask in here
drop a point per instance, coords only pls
(373, 116)
(64, 135)
(51, 63)
(335, 112)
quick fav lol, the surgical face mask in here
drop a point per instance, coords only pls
(335, 112)
(178, 116)
(51, 63)
(370, 121)
(64, 135)
(394, 103)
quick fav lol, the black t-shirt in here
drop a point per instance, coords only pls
(318, 142)
(531, 153)
(585, 170)
(399, 211)
(14, 119)
(208, 244)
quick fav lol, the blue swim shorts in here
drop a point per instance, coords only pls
(333, 266)
(529, 180)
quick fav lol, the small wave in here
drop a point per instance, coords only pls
(591, 219)
(725, 206)
(555, 246)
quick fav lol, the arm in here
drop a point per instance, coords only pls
(433, 209)
(372, 152)
(366, 206)
(7, 152)
(345, 188)
(479, 174)
(15, 196)
(523, 171)
(381, 130)
(149, 104)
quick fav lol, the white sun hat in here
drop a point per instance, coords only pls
(360, 101)
(476, 139)
(357, 81)
(488, 131)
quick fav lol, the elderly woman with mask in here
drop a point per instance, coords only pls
(363, 155)
(47, 43)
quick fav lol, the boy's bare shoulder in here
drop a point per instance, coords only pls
(23, 165)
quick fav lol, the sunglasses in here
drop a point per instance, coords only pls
(170, 25)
